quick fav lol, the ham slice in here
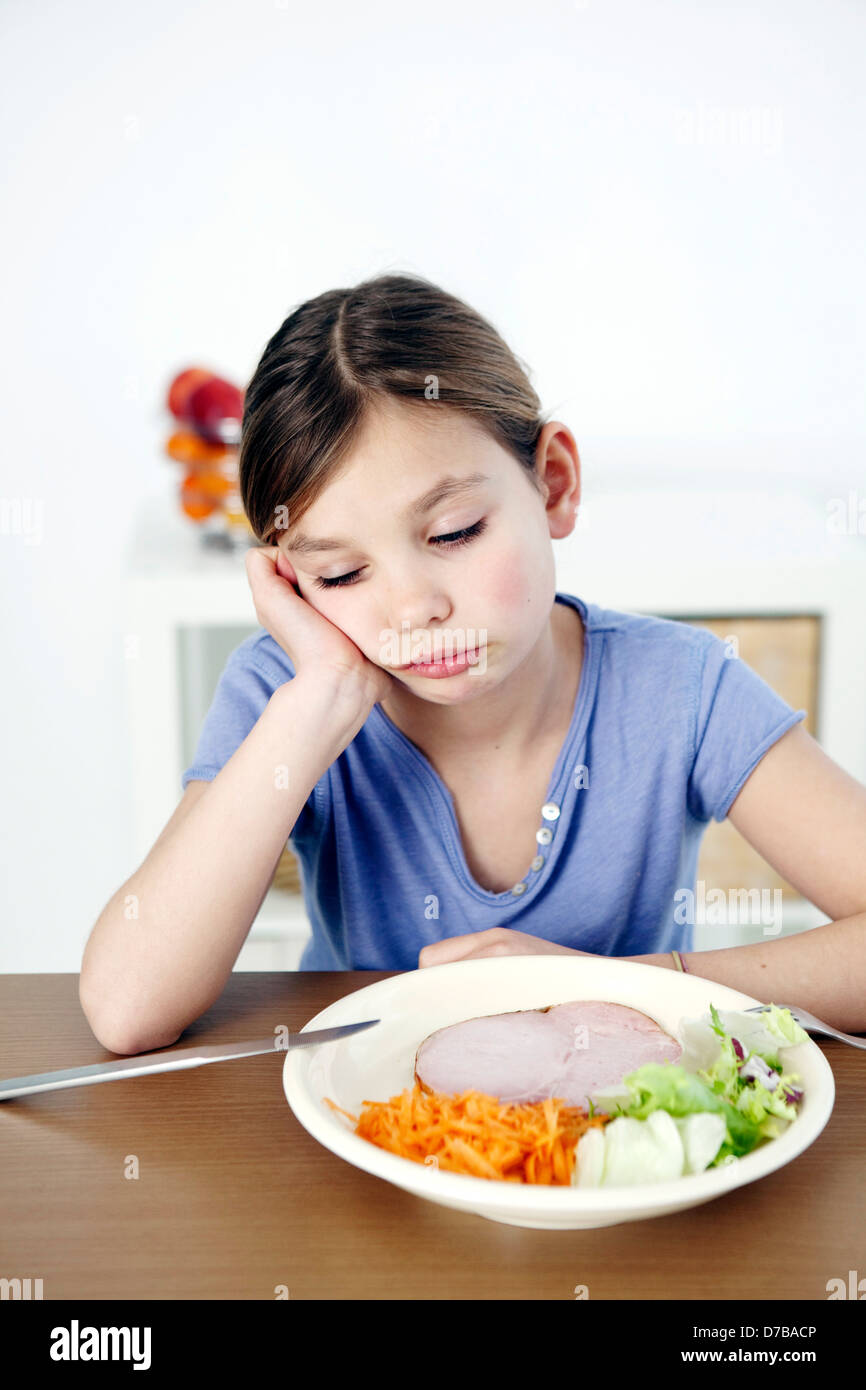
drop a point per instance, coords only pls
(566, 1050)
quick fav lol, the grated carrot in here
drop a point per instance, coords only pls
(477, 1134)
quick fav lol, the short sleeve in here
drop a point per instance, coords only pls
(246, 684)
(739, 717)
(243, 690)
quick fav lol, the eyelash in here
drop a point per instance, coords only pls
(452, 538)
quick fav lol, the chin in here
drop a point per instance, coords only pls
(455, 690)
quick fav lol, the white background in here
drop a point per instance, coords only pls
(659, 205)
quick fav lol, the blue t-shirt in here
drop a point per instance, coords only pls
(666, 727)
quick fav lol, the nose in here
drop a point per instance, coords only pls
(417, 608)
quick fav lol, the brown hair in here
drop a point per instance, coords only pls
(337, 354)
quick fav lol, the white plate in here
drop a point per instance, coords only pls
(379, 1063)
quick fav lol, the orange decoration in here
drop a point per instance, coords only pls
(189, 448)
(196, 503)
(215, 485)
(202, 403)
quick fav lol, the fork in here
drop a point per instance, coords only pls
(812, 1024)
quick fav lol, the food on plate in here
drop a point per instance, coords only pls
(652, 1150)
(730, 1093)
(565, 1050)
(695, 1102)
(478, 1135)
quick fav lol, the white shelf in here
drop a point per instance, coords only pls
(278, 935)
(797, 915)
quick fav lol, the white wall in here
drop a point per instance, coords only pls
(660, 206)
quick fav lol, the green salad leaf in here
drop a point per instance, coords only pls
(730, 1068)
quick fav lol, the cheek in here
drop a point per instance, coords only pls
(348, 617)
(509, 587)
(518, 588)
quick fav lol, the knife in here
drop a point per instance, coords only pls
(147, 1062)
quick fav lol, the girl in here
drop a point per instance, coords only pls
(466, 761)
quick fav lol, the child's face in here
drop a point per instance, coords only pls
(412, 597)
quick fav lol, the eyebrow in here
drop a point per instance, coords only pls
(446, 487)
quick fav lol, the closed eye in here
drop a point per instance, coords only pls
(453, 538)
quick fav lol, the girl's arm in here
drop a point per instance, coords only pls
(164, 945)
(823, 970)
(807, 817)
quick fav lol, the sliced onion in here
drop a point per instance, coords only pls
(756, 1069)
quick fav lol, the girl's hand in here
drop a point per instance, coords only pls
(498, 941)
(307, 638)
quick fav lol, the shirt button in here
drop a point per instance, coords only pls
(518, 889)
(550, 811)
(544, 836)
(537, 862)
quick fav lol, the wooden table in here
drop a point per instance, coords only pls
(233, 1198)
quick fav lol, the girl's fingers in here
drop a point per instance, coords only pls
(268, 561)
(452, 948)
(284, 569)
(497, 941)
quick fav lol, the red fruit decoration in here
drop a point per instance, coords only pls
(215, 408)
(182, 386)
(210, 411)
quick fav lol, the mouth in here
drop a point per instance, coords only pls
(456, 661)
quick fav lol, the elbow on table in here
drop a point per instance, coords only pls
(121, 1035)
